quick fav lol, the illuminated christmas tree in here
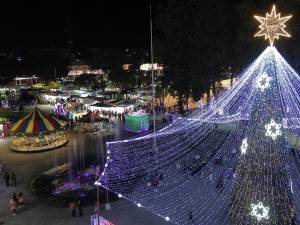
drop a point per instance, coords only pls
(228, 165)
(263, 173)
(263, 184)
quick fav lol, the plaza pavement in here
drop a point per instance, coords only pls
(35, 212)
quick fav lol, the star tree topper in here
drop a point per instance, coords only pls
(259, 211)
(272, 26)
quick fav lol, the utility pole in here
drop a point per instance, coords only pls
(98, 205)
(55, 74)
(153, 86)
(98, 193)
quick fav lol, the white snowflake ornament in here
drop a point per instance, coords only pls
(244, 146)
(273, 129)
(263, 81)
(259, 211)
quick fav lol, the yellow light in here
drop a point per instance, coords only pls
(272, 26)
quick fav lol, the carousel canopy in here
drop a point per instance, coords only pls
(37, 122)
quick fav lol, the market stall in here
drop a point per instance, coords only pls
(4, 127)
(137, 121)
(92, 117)
(119, 107)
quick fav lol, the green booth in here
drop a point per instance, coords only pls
(137, 122)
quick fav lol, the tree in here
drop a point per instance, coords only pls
(189, 45)
(101, 85)
(123, 79)
(127, 79)
(86, 80)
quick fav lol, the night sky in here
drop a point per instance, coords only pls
(49, 24)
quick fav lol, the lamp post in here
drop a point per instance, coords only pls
(55, 74)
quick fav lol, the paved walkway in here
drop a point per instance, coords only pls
(122, 213)
(28, 166)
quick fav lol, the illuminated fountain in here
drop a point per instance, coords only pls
(75, 171)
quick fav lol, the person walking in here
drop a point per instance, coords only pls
(72, 207)
(13, 179)
(80, 208)
(20, 200)
(15, 197)
(13, 205)
(6, 178)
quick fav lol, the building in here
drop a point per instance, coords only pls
(78, 70)
(158, 68)
(25, 82)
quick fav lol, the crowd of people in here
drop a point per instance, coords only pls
(76, 206)
(9, 99)
(17, 200)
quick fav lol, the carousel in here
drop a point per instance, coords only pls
(38, 132)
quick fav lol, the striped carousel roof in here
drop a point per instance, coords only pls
(37, 122)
